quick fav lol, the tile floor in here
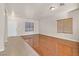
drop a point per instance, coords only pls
(16, 46)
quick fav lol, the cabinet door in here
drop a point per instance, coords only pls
(35, 41)
(64, 50)
(29, 39)
(76, 51)
(47, 46)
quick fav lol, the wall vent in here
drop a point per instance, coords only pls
(61, 4)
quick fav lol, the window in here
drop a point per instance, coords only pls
(29, 26)
(65, 26)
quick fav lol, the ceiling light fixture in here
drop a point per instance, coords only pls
(52, 8)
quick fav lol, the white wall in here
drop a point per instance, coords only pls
(2, 27)
(75, 15)
(21, 27)
(16, 26)
(12, 26)
(48, 26)
(6, 28)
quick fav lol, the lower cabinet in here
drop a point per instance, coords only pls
(46, 52)
(28, 39)
(64, 50)
(35, 41)
(51, 46)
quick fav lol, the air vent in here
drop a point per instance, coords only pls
(61, 4)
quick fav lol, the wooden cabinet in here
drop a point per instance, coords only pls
(64, 50)
(32, 40)
(28, 39)
(47, 45)
(35, 41)
(67, 48)
(58, 47)
(52, 46)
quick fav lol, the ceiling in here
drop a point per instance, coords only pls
(37, 10)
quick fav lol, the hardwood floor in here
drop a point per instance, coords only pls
(52, 46)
